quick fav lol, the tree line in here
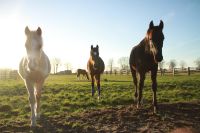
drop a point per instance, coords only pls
(122, 64)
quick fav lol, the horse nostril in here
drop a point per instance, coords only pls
(159, 58)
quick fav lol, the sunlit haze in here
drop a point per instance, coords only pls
(70, 27)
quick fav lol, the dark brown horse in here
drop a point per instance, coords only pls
(82, 72)
(95, 67)
(145, 57)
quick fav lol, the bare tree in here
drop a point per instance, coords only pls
(55, 62)
(197, 62)
(182, 64)
(110, 64)
(161, 64)
(172, 64)
(53, 66)
(123, 62)
(161, 67)
(68, 66)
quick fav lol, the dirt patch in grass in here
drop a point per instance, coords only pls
(123, 120)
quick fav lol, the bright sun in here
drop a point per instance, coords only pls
(11, 40)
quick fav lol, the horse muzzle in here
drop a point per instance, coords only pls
(32, 65)
(159, 58)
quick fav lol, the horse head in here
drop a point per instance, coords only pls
(155, 38)
(94, 53)
(33, 46)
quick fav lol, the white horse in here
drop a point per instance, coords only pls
(34, 69)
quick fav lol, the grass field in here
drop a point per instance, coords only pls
(67, 105)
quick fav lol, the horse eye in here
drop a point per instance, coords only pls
(27, 47)
(39, 46)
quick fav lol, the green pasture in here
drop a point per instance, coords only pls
(64, 94)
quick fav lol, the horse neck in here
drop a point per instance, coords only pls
(145, 45)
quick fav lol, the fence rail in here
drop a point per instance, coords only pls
(13, 74)
(8, 74)
(175, 71)
(178, 71)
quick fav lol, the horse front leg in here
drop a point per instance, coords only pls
(141, 85)
(97, 77)
(30, 88)
(92, 77)
(38, 89)
(154, 89)
(134, 76)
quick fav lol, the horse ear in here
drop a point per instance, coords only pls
(91, 46)
(39, 31)
(27, 31)
(161, 25)
(151, 25)
(97, 46)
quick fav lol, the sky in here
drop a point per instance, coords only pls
(70, 27)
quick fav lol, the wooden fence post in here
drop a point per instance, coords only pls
(188, 71)
(162, 71)
(173, 71)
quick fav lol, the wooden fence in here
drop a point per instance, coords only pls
(8, 74)
(175, 71)
(179, 71)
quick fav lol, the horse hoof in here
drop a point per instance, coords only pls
(135, 100)
(33, 124)
(98, 97)
(138, 106)
(154, 110)
(136, 95)
(37, 116)
(92, 94)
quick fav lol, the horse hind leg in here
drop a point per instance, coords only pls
(92, 84)
(78, 76)
(97, 77)
(30, 88)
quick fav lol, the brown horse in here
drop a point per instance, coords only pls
(95, 67)
(82, 72)
(145, 57)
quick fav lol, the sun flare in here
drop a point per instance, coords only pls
(11, 39)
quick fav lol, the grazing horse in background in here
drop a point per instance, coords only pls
(95, 67)
(145, 57)
(83, 72)
(34, 69)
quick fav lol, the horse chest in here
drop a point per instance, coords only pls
(35, 76)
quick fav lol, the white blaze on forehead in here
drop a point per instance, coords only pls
(95, 53)
(152, 47)
(34, 43)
